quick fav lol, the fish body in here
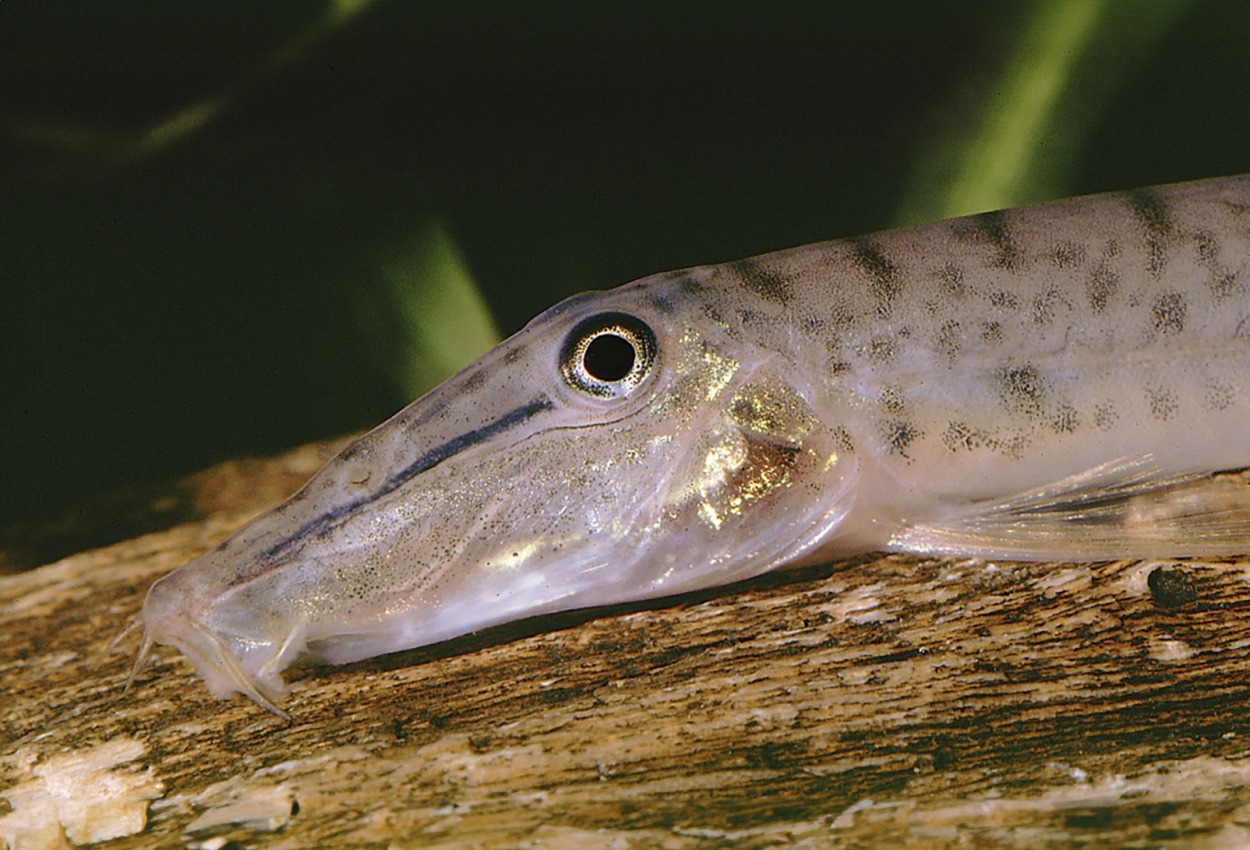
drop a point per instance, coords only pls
(1044, 383)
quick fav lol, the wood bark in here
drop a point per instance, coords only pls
(884, 701)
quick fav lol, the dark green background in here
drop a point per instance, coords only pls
(163, 314)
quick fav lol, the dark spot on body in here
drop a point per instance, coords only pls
(1171, 589)
(838, 367)
(900, 434)
(1005, 300)
(1012, 447)
(1219, 397)
(660, 304)
(1237, 208)
(949, 340)
(1223, 285)
(1151, 210)
(893, 401)
(473, 382)
(1068, 255)
(747, 317)
(1023, 390)
(1164, 403)
(764, 283)
(882, 349)
(991, 228)
(1103, 284)
(512, 355)
(1044, 307)
(812, 325)
(959, 435)
(841, 314)
(883, 277)
(952, 279)
(991, 333)
(1168, 313)
(843, 440)
(1105, 416)
(690, 286)
(1066, 420)
(1207, 246)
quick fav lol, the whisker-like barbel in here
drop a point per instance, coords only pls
(1044, 383)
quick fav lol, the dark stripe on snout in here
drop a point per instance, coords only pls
(428, 460)
(438, 454)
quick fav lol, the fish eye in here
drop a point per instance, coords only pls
(608, 355)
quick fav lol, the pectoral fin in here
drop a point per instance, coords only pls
(1122, 509)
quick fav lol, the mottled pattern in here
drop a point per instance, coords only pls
(1036, 342)
(1031, 383)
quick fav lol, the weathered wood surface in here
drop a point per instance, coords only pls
(883, 702)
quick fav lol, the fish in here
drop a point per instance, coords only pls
(1058, 382)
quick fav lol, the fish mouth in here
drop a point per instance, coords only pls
(167, 621)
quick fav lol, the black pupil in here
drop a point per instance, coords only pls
(609, 357)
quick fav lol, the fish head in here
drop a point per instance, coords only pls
(621, 446)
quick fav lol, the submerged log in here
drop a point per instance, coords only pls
(883, 701)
